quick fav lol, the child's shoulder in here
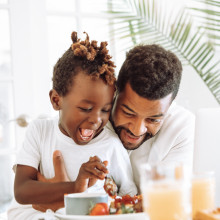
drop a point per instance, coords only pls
(113, 138)
(43, 123)
(110, 133)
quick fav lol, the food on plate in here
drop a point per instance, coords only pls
(126, 204)
(119, 205)
(100, 209)
(208, 215)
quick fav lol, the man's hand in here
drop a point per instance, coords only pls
(59, 170)
(60, 176)
(90, 172)
(53, 206)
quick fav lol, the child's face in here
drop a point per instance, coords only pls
(85, 110)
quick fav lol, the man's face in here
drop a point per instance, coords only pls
(137, 119)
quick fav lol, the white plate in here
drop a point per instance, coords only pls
(133, 216)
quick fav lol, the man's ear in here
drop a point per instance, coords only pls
(55, 99)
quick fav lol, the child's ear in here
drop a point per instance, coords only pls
(55, 99)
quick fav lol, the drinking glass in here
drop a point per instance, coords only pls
(203, 191)
(166, 192)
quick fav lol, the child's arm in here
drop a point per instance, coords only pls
(30, 191)
(60, 176)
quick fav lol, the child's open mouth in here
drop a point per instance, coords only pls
(86, 134)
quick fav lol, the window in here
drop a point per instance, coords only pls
(78, 15)
(7, 129)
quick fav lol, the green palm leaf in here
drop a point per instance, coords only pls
(145, 21)
(208, 16)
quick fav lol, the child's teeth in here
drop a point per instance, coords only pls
(86, 132)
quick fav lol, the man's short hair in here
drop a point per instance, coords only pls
(152, 72)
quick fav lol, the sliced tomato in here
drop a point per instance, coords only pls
(100, 209)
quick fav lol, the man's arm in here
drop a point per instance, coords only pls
(29, 191)
(59, 170)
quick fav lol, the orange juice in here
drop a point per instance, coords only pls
(203, 194)
(167, 201)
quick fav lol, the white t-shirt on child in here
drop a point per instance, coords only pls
(43, 137)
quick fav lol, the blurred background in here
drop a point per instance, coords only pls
(35, 33)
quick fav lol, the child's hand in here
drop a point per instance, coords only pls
(92, 181)
(90, 172)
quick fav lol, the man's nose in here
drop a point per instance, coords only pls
(138, 127)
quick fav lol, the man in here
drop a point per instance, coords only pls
(151, 127)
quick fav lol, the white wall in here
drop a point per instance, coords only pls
(193, 93)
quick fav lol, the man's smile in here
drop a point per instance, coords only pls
(130, 137)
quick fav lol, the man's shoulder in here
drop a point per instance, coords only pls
(178, 116)
(180, 112)
(177, 122)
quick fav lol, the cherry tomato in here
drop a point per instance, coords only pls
(100, 209)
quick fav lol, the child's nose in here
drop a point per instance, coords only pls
(95, 119)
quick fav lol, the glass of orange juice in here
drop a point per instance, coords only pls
(203, 191)
(166, 192)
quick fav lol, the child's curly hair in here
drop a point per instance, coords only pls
(83, 56)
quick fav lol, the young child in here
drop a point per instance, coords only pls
(83, 90)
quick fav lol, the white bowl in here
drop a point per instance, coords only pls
(81, 203)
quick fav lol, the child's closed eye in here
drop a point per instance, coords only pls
(85, 109)
(106, 110)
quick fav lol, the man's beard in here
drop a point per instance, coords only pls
(120, 128)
